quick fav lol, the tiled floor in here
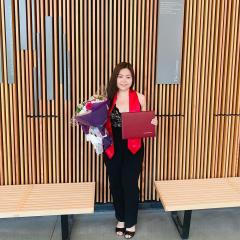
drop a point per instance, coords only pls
(219, 224)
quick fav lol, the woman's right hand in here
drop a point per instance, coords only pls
(154, 121)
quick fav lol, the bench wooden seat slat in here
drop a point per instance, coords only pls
(50, 212)
(235, 183)
(193, 194)
(46, 199)
(206, 205)
(203, 196)
(204, 192)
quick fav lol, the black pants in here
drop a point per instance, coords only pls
(123, 171)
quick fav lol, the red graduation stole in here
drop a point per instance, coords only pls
(134, 144)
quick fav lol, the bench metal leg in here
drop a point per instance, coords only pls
(183, 228)
(66, 227)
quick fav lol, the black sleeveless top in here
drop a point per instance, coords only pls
(120, 144)
(116, 117)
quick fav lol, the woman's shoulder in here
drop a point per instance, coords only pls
(142, 100)
(141, 97)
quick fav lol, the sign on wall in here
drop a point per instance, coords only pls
(169, 42)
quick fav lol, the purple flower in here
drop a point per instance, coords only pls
(97, 117)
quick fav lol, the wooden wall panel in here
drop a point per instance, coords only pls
(198, 134)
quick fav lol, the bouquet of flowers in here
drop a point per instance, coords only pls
(92, 115)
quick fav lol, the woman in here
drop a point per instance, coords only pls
(123, 159)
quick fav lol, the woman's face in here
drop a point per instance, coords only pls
(124, 79)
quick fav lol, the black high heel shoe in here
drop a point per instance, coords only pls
(130, 234)
(120, 230)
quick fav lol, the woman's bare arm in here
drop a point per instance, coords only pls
(142, 100)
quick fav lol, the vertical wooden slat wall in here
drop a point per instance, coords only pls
(198, 134)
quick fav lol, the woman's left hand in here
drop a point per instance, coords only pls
(154, 121)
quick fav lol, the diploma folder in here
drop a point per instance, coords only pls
(137, 124)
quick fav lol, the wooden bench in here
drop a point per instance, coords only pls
(188, 195)
(48, 199)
